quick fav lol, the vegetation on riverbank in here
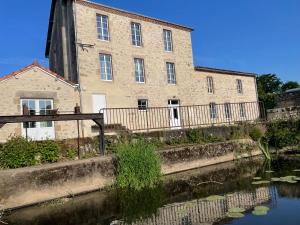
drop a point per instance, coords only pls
(18, 152)
(138, 166)
(282, 134)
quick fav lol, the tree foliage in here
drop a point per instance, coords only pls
(290, 85)
(269, 86)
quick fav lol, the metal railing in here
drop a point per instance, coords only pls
(176, 117)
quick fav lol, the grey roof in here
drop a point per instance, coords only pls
(224, 71)
(292, 90)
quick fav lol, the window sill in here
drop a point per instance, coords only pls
(107, 41)
(137, 46)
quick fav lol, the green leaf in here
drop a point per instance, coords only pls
(236, 210)
(215, 198)
(235, 215)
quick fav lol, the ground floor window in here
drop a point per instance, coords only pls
(142, 104)
(213, 110)
(227, 109)
(242, 110)
(38, 130)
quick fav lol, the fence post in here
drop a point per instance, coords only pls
(188, 112)
(147, 121)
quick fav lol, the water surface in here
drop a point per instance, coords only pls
(182, 199)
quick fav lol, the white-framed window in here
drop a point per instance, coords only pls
(37, 107)
(142, 104)
(102, 27)
(168, 42)
(239, 86)
(213, 111)
(227, 110)
(242, 110)
(136, 34)
(139, 70)
(106, 67)
(210, 85)
(29, 106)
(171, 73)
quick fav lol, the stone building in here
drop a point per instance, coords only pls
(120, 59)
(41, 91)
(287, 106)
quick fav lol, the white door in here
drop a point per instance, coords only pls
(38, 130)
(99, 103)
(174, 113)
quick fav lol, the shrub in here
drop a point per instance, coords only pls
(255, 133)
(49, 151)
(193, 136)
(71, 153)
(18, 152)
(283, 133)
(138, 166)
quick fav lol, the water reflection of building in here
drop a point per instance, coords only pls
(201, 211)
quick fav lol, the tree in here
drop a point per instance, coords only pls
(268, 87)
(290, 85)
(269, 83)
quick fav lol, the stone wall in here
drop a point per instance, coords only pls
(284, 113)
(26, 186)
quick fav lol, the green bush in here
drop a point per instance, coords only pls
(18, 152)
(255, 133)
(283, 133)
(71, 153)
(49, 151)
(138, 166)
(193, 136)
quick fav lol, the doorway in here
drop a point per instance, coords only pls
(174, 113)
(99, 103)
(38, 131)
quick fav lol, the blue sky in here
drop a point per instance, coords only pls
(260, 36)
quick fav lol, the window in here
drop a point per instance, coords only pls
(239, 86)
(168, 40)
(105, 67)
(210, 85)
(29, 107)
(136, 34)
(242, 110)
(37, 107)
(142, 104)
(102, 27)
(227, 110)
(139, 70)
(45, 107)
(171, 73)
(213, 110)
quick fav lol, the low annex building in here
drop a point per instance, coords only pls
(41, 91)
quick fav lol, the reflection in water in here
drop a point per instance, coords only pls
(180, 200)
(203, 211)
